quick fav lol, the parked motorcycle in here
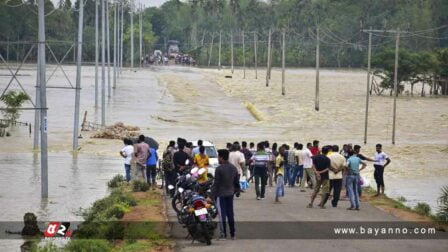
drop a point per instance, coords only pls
(197, 216)
(193, 210)
(186, 183)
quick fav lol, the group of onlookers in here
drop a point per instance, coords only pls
(327, 170)
(145, 158)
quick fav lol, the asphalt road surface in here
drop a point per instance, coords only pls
(290, 226)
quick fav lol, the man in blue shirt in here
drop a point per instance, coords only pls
(151, 167)
(352, 179)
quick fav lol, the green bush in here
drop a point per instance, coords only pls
(116, 181)
(101, 220)
(100, 211)
(117, 210)
(88, 245)
(423, 209)
(400, 205)
(402, 199)
(48, 247)
(140, 186)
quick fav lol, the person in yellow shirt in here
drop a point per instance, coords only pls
(201, 161)
(279, 163)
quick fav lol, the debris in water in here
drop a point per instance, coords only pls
(254, 111)
(118, 131)
(165, 120)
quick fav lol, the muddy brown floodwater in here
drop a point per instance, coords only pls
(167, 102)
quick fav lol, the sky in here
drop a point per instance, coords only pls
(150, 3)
(146, 3)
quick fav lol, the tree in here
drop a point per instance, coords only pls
(13, 101)
(385, 64)
(441, 71)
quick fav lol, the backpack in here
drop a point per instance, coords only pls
(167, 161)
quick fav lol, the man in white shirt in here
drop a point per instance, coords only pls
(381, 161)
(307, 167)
(335, 174)
(236, 158)
(126, 153)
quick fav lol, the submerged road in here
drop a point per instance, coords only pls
(255, 220)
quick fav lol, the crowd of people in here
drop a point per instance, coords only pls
(146, 160)
(324, 170)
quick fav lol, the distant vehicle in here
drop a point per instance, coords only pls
(158, 57)
(173, 49)
(212, 153)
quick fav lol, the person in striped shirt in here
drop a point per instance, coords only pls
(260, 161)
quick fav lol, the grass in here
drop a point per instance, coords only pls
(140, 186)
(402, 199)
(103, 229)
(423, 209)
(421, 212)
(145, 202)
(116, 181)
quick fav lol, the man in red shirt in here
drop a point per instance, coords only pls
(315, 149)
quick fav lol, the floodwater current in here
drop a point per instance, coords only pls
(168, 102)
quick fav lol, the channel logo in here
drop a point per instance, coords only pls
(58, 229)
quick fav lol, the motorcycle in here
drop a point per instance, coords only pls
(186, 183)
(193, 210)
(197, 216)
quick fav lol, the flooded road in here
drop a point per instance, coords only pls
(168, 102)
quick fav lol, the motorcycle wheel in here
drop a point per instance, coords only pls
(176, 203)
(205, 233)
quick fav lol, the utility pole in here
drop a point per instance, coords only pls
(283, 61)
(103, 63)
(316, 99)
(369, 54)
(231, 53)
(219, 52)
(397, 43)
(43, 101)
(121, 34)
(269, 58)
(244, 57)
(255, 54)
(109, 86)
(132, 33)
(96, 53)
(115, 45)
(141, 34)
(78, 76)
(211, 49)
(118, 41)
(37, 112)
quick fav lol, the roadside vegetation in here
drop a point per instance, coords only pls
(421, 212)
(126, 220)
